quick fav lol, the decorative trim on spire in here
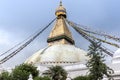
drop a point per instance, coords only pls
(57, 38)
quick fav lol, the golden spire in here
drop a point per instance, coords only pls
(60, 33)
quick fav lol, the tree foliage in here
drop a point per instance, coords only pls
(23, 71)
(20, 72)
(57, 73)
(82, 78)
(5, 76)
(96, 64)
(42, 78)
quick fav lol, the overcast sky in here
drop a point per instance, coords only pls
(21, 18)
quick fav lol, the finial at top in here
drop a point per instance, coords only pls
(60, 2)
(60, 11)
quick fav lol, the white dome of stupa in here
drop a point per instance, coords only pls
(58, 55)
(116, 56)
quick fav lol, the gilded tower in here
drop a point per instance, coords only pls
(60, 33)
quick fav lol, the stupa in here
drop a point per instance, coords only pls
(61, 48)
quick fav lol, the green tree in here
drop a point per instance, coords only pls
(57, 73)
(82, 78)
(23, 71)
(5, 76)
(96, 64)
